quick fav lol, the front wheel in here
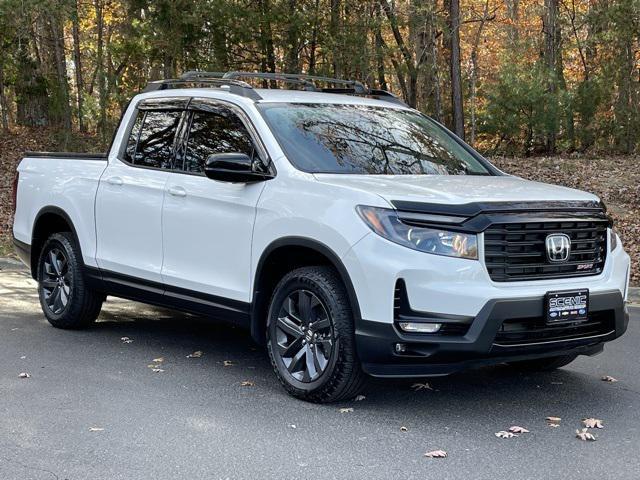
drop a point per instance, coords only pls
(543, 364)
(65, 299)
(310, 336)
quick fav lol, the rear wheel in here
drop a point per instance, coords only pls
(543, 364)
(64, 297)
(310, 336)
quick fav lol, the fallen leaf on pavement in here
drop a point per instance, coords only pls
(24, 375)
(421, 386)
(404, 429)
(196, 354)
(157, 370)
(516, 429)
(96, 429)
(359, 398)
(23, 357)
(126, 340)
(503, 434)
(585, 435)
(247, 383)
(436, 454)
(609, 378)
(592, 423)
(553, 421)
(292, 426)
(228, 363)
(346, 410)
(158, 360)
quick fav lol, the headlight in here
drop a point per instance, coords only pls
(386, 223)
(613, 240)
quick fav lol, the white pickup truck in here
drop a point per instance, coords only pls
(351, 234)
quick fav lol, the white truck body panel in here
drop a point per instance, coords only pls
(129, 220)
(69, 185)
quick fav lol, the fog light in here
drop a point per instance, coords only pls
(413, 327)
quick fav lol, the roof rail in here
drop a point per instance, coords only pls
(301, 78)
(231, 81)
(234, 86)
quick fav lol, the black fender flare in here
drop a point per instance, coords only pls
(293, 241)
(35, 252)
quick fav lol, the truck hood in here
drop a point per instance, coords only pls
(455, 189)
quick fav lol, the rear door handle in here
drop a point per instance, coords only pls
(177, 191)
(115, 181)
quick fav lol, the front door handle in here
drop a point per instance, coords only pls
(115, 181)
(177, 191)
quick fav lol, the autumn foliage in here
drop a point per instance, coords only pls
(517, 76)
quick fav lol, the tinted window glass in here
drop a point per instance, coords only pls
(367, 140)
(155, 145)
(132, 141)
(216, 131)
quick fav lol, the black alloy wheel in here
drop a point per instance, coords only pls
(66, 299)
(56, 281)
(311, 336)
(305, 337)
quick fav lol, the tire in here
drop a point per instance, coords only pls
(316, 363)
(543, 364)
(65, 299)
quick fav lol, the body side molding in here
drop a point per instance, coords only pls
(155, 293)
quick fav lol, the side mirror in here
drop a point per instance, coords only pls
(233, 167)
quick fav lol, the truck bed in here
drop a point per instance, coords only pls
(53, 182)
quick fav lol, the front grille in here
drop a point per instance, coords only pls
(516, 251)
(534, 330)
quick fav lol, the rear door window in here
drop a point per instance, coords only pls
(154, 146)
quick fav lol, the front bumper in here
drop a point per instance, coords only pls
(439, 354)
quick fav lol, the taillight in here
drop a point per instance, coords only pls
(15, 191)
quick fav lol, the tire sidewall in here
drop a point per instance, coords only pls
(288, 285)
(62, 243)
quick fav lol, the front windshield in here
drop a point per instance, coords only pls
(361, 139)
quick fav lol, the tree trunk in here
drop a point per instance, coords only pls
(474, 70)
(268, 62)
(32, 97)
(428, 54)
(379, 49)
(3, 100)
(513, 16)
(551, 33)
(314, 39)
(624, 108)
(63, 108)
(78, 67)
(292, 59)
(102, 88)
(409, 82)
(334, 32)
(454, 64)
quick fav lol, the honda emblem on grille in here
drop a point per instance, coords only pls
(558, 247)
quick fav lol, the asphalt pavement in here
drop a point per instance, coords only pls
(94, 408)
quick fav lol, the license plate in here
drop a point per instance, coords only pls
(567, 305)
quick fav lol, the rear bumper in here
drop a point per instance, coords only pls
(23, 250)
(482, 344)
